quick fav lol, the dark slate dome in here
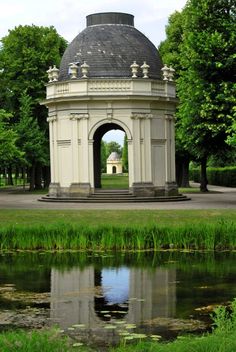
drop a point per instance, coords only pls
(109, 45)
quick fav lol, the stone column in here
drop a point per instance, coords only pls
(80, 187)
(142, 185)
(170, 183)
(75, 154)
(54, 187)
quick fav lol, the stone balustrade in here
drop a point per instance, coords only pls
(113, 87)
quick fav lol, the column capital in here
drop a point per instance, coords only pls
(78, 116)
(169, 117)
(52, 118)
(141, 116)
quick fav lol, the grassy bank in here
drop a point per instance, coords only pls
(117, 230)
(222, 339)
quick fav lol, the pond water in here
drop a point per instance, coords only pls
(105, 297)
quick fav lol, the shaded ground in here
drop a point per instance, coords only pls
(218, 198)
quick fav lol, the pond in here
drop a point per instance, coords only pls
(101, 298)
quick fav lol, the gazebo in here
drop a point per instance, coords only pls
(114, 164)
(111, 77)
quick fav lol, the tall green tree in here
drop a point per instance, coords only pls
(201, 46)
(103, 156)
(25, 55)
(125, 163)
(31, 139)
(114, 147)
(206, 84)
(170, 51)
(9, 152)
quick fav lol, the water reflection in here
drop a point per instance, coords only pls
(115, 284)
(136, 294)
(157, 293)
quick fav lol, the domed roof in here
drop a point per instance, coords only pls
(114, 156)
(109, 45)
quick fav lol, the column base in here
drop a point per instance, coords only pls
(143, 189)
(54, 189)
(73, 191)
(171, 189)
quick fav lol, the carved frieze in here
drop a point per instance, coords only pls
(141, 116)
(78, 116)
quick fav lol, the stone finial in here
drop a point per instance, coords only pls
(145, 67)
(55, 73)
(134, 67)
(165, 71)
(84, 69)
(168, 73)
(73, 69)
(49, 72)
(171, 73)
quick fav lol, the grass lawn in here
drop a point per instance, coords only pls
(45, 217)
(115, 181)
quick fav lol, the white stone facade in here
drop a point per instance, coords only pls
(143, 108)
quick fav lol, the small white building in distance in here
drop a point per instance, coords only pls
(114, 164)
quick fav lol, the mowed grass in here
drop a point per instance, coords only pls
(83, 217)
(115, 181)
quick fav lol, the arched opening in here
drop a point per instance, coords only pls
(99, 159)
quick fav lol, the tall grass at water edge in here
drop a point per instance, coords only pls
(212, 236)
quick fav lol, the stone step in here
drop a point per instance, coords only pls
(118, 199)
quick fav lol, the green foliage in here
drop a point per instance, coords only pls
(205, 85)
(31, 140)
(25, 55)
(47, 341)
(222, 339)
(220, 235)
(106, 150)
(200, 45)
(113, 147)
(103, 156)
(125, 161)
(222, 176)
(9, 152)
(170, 49)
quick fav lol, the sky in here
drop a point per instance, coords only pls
(69, 17)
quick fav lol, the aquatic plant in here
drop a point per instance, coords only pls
(62, 235)
(223, 338)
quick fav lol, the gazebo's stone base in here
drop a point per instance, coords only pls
(112, 196)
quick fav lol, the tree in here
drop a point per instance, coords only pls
(9, 152)
(125, 155)
(170, 50)
(25, 55)
(103, 156)
(114, 147)
(31, 139)
(205, 85)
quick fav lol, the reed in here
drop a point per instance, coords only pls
(212, 236)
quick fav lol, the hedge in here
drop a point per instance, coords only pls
(220, 176)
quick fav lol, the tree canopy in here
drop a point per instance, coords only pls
(205, 61)
(25, 55)
(9, 152)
